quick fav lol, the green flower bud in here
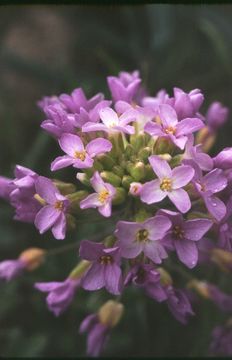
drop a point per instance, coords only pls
(71, 222)
(126, 181)
(142, 215)
(111, 178)
(107, 161)
(129, 151)
(119, 197)
(84, 179)
(149, 172)
(109, 241)
(98, 166)
(175, 161)
(163, 146)
(63, 187)
(75, 199)
(144, 154)
(137, 171)
(138, 141)
(118, 170)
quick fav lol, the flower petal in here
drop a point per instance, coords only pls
(153, 129)
(98, 146)
(59, 228)
(187, 252)
(89, 126)
(157, 226)
(181, 176)
(70, 143)
(215, 206)
(126, 231)
(90, 201)
(188, 126)
(94, 279)
(109, 117)
(90, 250)
(45, 188)
(180, 199)
(195, 229)
(168, 115)
(105, 209)
(151, 192)
(97, 182)
(113, 279)
(155, 251)
(160, 167)
(61, 162)
(46, 218)
(215, 181)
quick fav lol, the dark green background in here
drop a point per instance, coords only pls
(46, 50)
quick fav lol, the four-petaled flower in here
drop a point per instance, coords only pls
(105, 270)
(52, 215)
(184, 234)
(111, 122)
(169, 126)
(77, 155)
(145, 237)
(169, 183)
(103, 197)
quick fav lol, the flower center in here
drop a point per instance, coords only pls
(59, 205)
(166, 184)
(81, 155)
(178, 232)
(203, 188)
(142, 235)
(106, 260)
(170, 130)
(103, 196)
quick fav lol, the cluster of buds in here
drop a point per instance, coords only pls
(143, 163)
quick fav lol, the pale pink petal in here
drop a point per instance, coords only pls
(45, 188)
(94, 279)
(46, 218)
(70, 143)
(61, 162)
(130, 251)
(157, 226)
(168, 115)
(160, 167)
(113, 279)
(151, 192)
(215, 206)
(109, 117)
(181, 176)
(155, 251)
(105, 209)
(97, 182)
(188, 126)
(215, 181)
(98, 146)
(187, 252)
(180, 199)
(59, 227)
(89, 126)
(90, 201)
(153, 129)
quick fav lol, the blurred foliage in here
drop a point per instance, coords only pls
(47, 50)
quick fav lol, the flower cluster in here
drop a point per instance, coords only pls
(143, 162)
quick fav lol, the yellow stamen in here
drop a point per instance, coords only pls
(106, 260)
(81, 155)
(170, 130)
(166, 184)
(142, 235)
(178, 232)
(103, 196)
(59, 205)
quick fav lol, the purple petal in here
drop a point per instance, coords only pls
(168, 115)
(187, 252)
(151, 192)
(126, 231)
(90, 250)
(215, 206)
(105, 209)
(90, 201)
(46, 218)
(215, 181)
(180, 199)
(125, 129)
(160, 167)
(153, 129)
(180, 142)
(94, 279)
(155, 251)
(70, 143)
(109, 117)
(89, 126)
(97, 182)
(85, 164)
(98, 146)
(49, 286)
(157, 226)
(131, 250)
(87, 323)
(181, 176)
(61, 162)
(196, 229)
(97, 339)
(59, 228)
(45, 188)
(188, 126)
(113, 279)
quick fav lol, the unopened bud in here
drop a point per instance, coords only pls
(32, 257)
(109, 241)
(110, 313)
(63, 187)
(166, 157)
(137, 141)
(144, 153)
(111, 178)
(163, 145)
(149, 172)
(129, 151)
(200, 287)
(117, 170)
(142, 215)
(107, 161)
(126, 181)
(165, 277)
(79, 270)
(137, 171)
(119, 197)
(206, 138)
(135, 188)
(222, 258)
(84, 179)
(75, 199)
(175, 161)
